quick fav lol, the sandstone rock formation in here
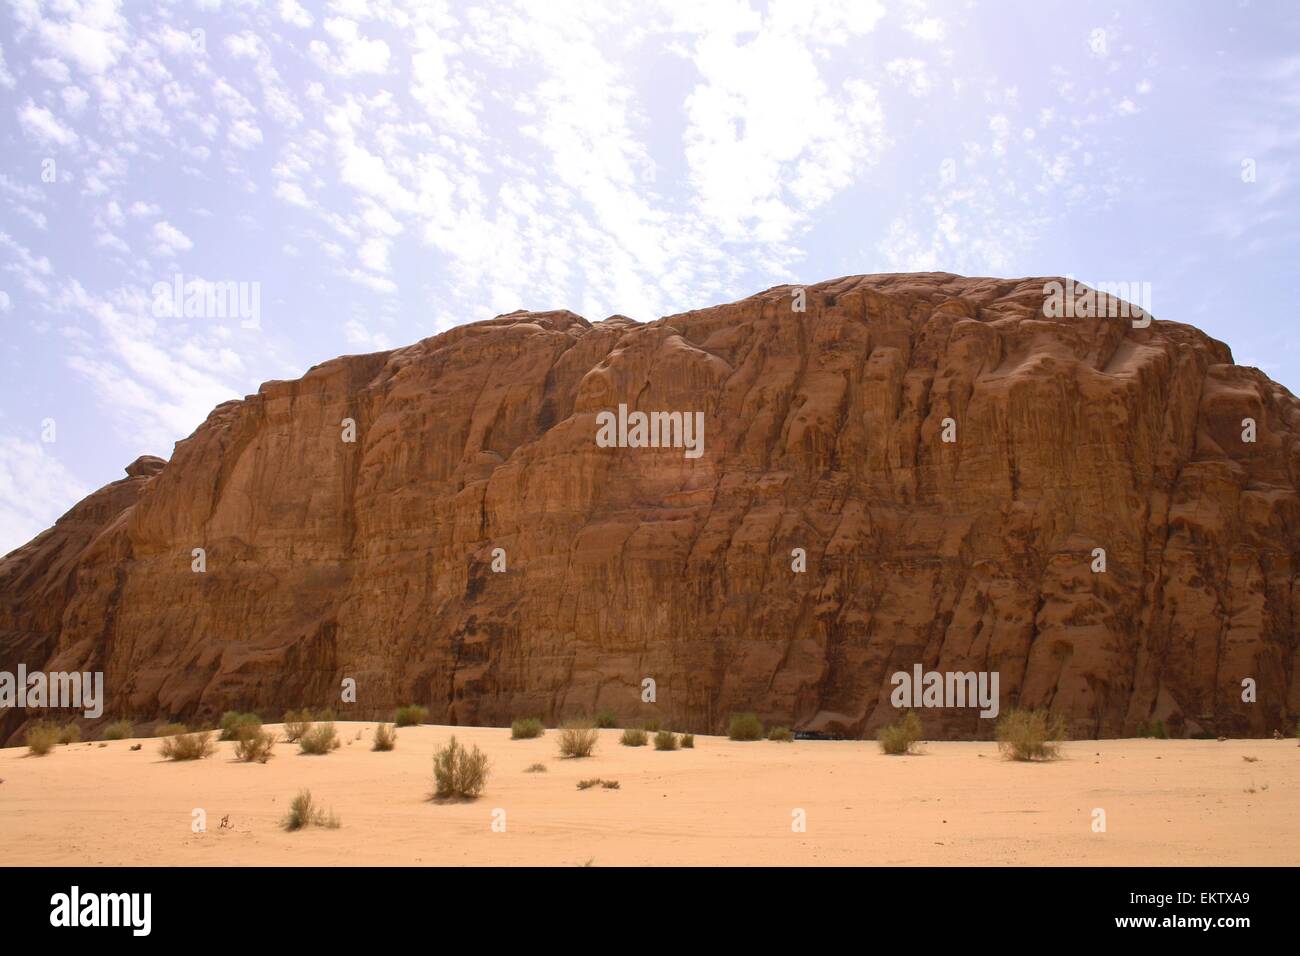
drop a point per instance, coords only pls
(823, 431)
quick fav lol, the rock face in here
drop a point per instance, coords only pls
(823, 431)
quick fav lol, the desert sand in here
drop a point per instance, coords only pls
(1167, 802)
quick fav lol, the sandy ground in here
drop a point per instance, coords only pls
(1167, 802)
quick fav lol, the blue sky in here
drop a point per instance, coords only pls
(380, 171)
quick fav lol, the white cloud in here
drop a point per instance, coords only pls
(293, 12)
(35, 489)
(6, 78)
(358, 334)
(292, 193)
(91, 37)
(913, 73)
(40, 124)
(176, 42)
(244, 134)
(160, 377)
(929, 29)
(170, 239)
(6, 304)
(373, 254)
(356, 53)
(52, 69)
(767, 133)
(74, 99)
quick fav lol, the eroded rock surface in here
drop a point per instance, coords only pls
(823, 431)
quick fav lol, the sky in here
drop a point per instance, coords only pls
(356, 175)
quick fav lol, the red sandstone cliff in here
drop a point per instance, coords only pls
(372, 560)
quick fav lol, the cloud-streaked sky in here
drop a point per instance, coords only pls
(380, 171)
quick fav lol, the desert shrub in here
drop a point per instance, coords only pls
(577, 740)
(535, 768)
(69, 733)
(321, 739)
(170, 730)
(901, 736)
(666, 740)
(633, 737)
(411, 715)
(385, 737)
(326, 716)
(304, 812)
(254, 745)
(188, 746)
(1154, 729)
(41, 738)
(606, 719)
(296, 723)
(1030, 735)
(688, 741)
(589, 783)
(609, 784)
(651, 726)
(783, 734)
(233, 724)
(526, 728)
(745, 727)
(119, 730)
(458, 772)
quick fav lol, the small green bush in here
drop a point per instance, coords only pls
(254, 745)
(170, 730)
(119, 730)
(782, 734)
(234, 723)
(303, 812)
(900, 737)
(41, 738)
(1030, 735)
(606, 719)
(296, 723)
(535, 768)
(410, 716)
(458, 772)
(688, 741)
(385, 737)
(69, 733)
(526, 728)
(633, 737)
(745, 727)
(1154, 729)
(651, 726)
(578, 740)
(666, 740)
(321, 739)
(188, 746)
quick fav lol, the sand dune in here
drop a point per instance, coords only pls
(1167, 802)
